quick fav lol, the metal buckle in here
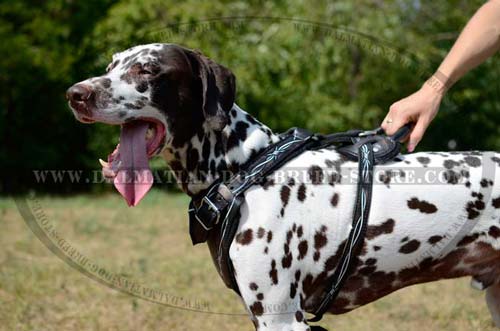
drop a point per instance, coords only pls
(211, 206)
(370, 132)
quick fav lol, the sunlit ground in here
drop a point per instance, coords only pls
(150, 245)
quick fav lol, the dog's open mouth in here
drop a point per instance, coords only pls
(128, 164)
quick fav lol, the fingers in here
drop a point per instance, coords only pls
(394, 120)
(388, 118)
(417, 133)
(420, 108)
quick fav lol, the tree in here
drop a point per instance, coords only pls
(328, 67)
(40, 59)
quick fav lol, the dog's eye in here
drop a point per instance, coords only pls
(149, 68)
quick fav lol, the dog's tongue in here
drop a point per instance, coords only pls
(134, 178)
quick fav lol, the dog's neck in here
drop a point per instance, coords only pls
(209, 154)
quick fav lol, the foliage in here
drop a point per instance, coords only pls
(329, 66)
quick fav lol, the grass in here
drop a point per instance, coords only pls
(150, 244)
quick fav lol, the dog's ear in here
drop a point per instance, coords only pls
(218, 90)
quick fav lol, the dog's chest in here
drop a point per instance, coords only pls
(292, 228)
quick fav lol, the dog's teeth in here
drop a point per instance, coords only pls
(150, 134)
(104, 163)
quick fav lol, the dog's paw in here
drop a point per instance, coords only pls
(317, 328)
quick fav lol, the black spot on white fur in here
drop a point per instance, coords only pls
(410, 247)
(472, 161)
(422, 205)
(386, 227)
(316, 174)
(496, 202)
(424, 160)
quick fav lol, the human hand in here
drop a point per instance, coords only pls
(420, 108)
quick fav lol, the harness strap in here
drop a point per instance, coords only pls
(221, 202)
(354, 242)
(208, 210)
(226, 269)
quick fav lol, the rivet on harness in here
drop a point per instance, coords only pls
(220, 203)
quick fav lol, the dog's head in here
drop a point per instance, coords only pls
(172, 88)
(160, 94)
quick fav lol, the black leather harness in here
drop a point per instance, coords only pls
(220, 203)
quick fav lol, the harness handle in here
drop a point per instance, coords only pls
(402, 132)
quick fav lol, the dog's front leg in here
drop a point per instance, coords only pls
(271, 293)
(493, 301)
(273, 311)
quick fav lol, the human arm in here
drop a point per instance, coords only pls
(479, 40)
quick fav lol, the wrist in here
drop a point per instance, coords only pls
(438, 83)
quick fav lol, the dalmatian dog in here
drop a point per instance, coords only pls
(433, 216)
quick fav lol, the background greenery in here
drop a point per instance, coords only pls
(336, 65)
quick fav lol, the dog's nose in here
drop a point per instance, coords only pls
(79, 93)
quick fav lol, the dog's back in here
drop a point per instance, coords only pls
(433, 216)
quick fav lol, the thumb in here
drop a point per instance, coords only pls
(417, 133)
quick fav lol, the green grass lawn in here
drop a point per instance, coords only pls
(150, 245)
